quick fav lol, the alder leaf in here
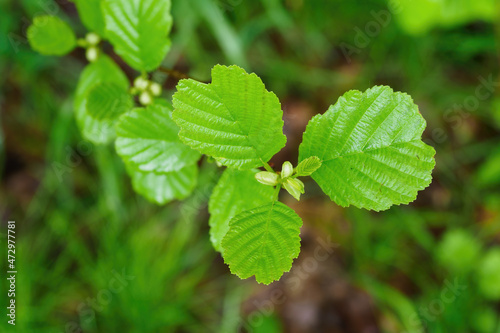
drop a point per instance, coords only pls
(263, 242)
(103, 70)
(138, 30)
(90, 13)
(236, 191)
(161, 188)
(50, 35)
(108, 100)
(371, 149)
(234, 119)
(147, 138)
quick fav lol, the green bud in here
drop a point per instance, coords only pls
(155, 89)
(267, 178)
(299, 183)
(92, 38)
(141, 83)
(286, 170)
(145, 98)
(92, 53)
(295, 187)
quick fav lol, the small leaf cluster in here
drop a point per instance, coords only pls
(161, 167)
(366, 150)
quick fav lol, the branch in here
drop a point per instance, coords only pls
(176, 74)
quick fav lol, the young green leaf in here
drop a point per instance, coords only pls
(147, 139)
(234, 119)
(50, 35)
(295, 187)
(90, 13)
(108, 100)
(161, 188)
(308, 166)
(138, 30)
(371, 149)
(236, 191)
(103, 70)
(263, 242)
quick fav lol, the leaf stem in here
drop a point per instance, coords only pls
(268, 167)
(277, 192)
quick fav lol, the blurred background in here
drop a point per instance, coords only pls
(93, 256)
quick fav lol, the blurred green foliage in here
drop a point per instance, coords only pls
(418, 17)
(488, 273)
(458, 251)
(79, 220)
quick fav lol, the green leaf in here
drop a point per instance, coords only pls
(234, 119)
(90, 13)
(163, 102)
(108, 100)
(138, 30)
(161, 188)
(371, 149)
(263, 242)
(308, 166)
(103, 70)
(148, 139)
(236, 191)
(51, 36)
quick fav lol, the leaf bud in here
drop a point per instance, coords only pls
(145, 98)
(155, 89)
(141, 83)
(295, 187)
(92, 53)
(92, 38)
(286, 170)
(267, 178)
